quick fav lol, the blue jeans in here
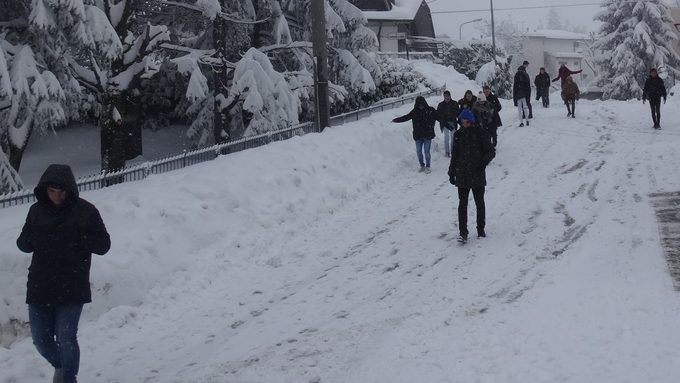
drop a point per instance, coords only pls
(423, 145)
(447, 137)
(54, 330)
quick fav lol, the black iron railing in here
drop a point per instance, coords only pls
(188, 158)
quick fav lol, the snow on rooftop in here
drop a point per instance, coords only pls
(557, 34)
(402, 10)
(566, 54)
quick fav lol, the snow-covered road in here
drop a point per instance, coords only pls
(329, 258)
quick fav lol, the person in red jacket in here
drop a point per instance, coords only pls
(565, 72)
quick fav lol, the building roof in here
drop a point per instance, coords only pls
(566, 55)
(403, 10)
(557, 34)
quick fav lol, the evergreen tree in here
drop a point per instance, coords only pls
(9, 179)
(635, 36)
(554, 20)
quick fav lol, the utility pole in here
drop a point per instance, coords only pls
(321, 63)
(493, 36)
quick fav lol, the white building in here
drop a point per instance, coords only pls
(675, 15)
(550, 48)
(402, 26)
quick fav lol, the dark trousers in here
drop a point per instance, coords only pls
(463, 196)
(571, 105)
(655, 105)
(493, 132)
(54, 329)
(544, 94)
(531, 115)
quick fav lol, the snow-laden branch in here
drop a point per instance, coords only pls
(222, 15)
(202, 56)
(292, 45)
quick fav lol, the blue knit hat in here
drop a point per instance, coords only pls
(467, 114)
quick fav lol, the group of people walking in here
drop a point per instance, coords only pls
(473, 122)
(521, 91)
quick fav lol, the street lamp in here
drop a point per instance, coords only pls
(460, 28)
(493, 36)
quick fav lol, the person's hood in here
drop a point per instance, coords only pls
(420, 100)
(60, 176)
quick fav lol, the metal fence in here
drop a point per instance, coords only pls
(188, 158)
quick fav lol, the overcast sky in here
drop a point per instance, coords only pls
(528, 13)
(449, 23)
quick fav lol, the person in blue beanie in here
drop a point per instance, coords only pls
(472, 152)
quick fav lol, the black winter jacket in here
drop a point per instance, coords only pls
(465, 103)
(61, 240)
(447, 112)
(542, 80)
(423, 121)
(654, 89)
(472, 152)
(496, 104)
(521, 87)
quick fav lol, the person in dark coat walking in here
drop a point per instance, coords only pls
(471, 154)
(525, 64)
(521, 91)
(570, 93)
(62, 231)
(563, 73)
(542, 82)
(484, 114)
(653, 90)
(468, 100)
(447, 113)
(423, 118)
(496, 105)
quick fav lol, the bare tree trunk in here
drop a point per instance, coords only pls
(112, 135)
(221, 130)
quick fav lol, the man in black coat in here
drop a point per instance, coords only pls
(496, 105)
(654, 89)
(423, 118)
(525, 64)
(62, 231)
(447, 113)
(542, 82)
(521, 93)
(471, 154)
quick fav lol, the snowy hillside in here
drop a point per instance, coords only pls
(329, 258)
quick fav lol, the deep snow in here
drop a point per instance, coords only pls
(329, 258)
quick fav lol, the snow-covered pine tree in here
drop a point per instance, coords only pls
(109, 54)
(634, 37)
(32, 83)
(225, 85)
(509, 38)
(352, 60)
(555, 20)
(9, 179)
(29, 99)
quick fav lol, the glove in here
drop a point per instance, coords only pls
(643, 101)
(664, 100)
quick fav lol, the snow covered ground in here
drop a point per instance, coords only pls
(330, 258)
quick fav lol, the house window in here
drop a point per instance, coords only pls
(575, 46)
(576, 63)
